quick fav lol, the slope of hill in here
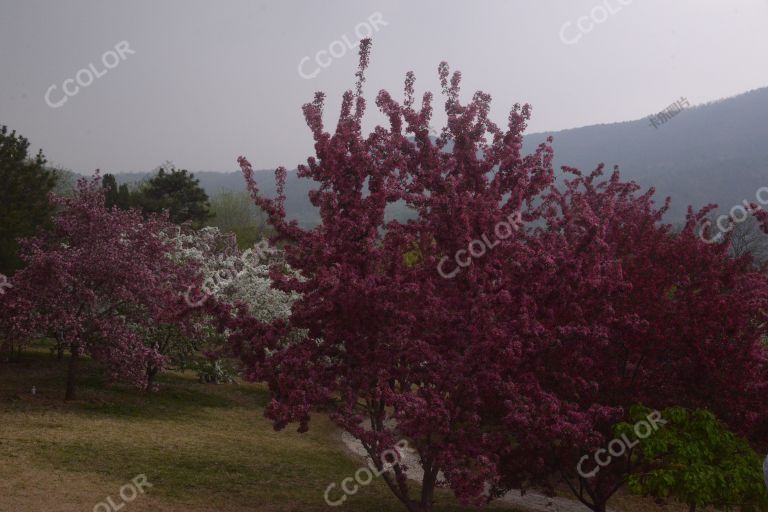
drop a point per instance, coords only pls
(714, 153)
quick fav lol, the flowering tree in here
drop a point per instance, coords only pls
(232, 276)
(762, 217)
(660, 318)
(101, 278)
(393, 348)
(231, 280)
(506, 328)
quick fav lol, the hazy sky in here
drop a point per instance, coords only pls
(201, 82)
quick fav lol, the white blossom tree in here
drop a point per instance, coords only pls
(233, 276)
(240, 279)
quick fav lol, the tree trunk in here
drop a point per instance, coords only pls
(74, 360)
(416, 506)
(598, 505)
(428, 488)
(151, 373)
(7, 348)
(60, 346)
(692, 507)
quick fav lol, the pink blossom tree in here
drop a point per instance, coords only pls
(643, 315)
(511, 323)
(102, 278)
(394, 348)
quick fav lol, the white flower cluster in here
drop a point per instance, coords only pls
(233, 276)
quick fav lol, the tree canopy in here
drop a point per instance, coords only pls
(101, 277)
(696, 460)
(178, 192)
(513, 322)
(25, 182)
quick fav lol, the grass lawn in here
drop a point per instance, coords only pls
(202, 447)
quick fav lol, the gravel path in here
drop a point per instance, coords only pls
(530, 502)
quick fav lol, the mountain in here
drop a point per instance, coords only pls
(713, 153)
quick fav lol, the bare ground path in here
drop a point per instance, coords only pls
(530, 502)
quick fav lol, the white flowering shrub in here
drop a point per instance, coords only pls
(234, 277)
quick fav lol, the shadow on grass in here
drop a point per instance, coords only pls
(256, 396)
(169, 403)
(178, 399)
